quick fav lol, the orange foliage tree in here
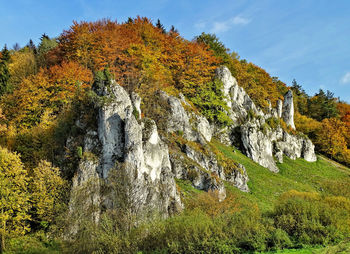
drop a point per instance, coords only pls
(137, 52)
(49, 90)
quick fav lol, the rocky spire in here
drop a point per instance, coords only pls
(288, 109)
(279, 108)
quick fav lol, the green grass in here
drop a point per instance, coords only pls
(265, 187)
(295, 251)
(186, 187)
(341, 248)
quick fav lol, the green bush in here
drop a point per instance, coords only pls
(192, 232)
(279, 239)
(209, 99)
(273, 122)
(32, 244)
(310, 218)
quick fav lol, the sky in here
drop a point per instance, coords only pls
(306, 40)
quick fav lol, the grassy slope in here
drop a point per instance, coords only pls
(266, 187)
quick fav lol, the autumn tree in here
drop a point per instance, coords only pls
(331, 139)
(47, 188)
(14, 196)
(50, 89)
(307, 125)
(215, 45)
(22, 65)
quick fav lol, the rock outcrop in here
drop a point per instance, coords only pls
(259, 141)
(238, 101)
(288, 109)
(279, 108)
(208, 171)
(134, 147)
(124, 147)
(258, 146)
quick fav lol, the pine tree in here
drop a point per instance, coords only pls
(160, 26)
(4, 71)
(32, 46)
(46, 44)
(173, 30)
(16, 47)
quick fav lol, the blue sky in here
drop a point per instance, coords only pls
(308, 40)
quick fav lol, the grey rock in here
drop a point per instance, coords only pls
(136, 101)
(237, 99)
(111, 123)
(279, 108)
(193, 126)
(85, 195)
(258, 146)
(288, 109)
(259, 142)
(239, 178)
(202, 179)
(308, 150)
(123, 143)
(209, 163)
(202, 125)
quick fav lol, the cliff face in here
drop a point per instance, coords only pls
(260, 142)
(144, 161)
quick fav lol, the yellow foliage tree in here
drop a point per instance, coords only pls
(331, 138)
(306, 125)
(14, 196)
(22, 65)
(47, 191)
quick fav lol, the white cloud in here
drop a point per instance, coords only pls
(219, 27)
(200, 25)
(223, 26)
(346, 78)
(240, 20)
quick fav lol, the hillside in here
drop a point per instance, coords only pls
(126, 138)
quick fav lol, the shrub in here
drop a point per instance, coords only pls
(279, 239)
(191, 232)
(310, 218)
(273, 122)
(210, 100)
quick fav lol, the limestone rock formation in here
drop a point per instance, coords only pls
(209, 174)
(237, 99)
(258, 146)
(288, 109)
(178, 120)
(260, 142)
(279, 108)
(308, 151)
(151, 158)
(125, 144)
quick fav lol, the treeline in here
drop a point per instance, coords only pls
(326, 120)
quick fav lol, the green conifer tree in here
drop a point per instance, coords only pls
(4, 71)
